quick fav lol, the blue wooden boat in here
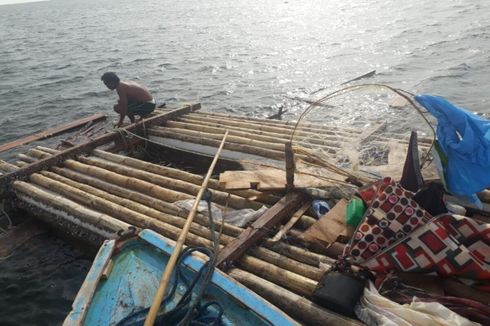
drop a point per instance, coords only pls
(124, 277)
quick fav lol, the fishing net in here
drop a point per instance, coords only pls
(360, 132)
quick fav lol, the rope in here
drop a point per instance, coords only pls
(188, 310)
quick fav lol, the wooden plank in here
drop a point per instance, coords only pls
(268, 179)
(52, 131)
(285, 228)
(7, 179)
(259, 229)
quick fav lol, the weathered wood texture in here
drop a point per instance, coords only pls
(5, 180)
(259, 229)
(52, 131)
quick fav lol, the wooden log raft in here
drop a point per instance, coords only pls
(6, 180)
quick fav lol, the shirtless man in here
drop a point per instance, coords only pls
(134, 99)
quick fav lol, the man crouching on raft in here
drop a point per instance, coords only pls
(134, 99)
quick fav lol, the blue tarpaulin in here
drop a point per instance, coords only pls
(464, 137)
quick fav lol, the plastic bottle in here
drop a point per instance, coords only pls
(354, 212)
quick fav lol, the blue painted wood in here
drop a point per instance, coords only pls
(131, 285)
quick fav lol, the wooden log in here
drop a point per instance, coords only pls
(295, 305)
(247, 134)
(129, 204)
(281, 123)
(176, 174)
(174, 184)
(7, 167)
(268, 125)
(264, 127)
(273, 154)
(295, 282)
(319, 140)
(125, 208)
(286, 227)
(144, 187)
(7, 179)
(52, 131)
(282, 248)
(259, 228)
(299, 135)
(26, 158)
(232, 138)
(96, 222)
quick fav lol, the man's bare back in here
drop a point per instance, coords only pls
(133, 92)
(134, 99)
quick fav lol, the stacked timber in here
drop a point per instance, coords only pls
(107, 194)
(266, 138)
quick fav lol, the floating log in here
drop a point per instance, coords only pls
(285, 249)
(7, 167)
(138, 215)
(52, 131)
(5, 180)
(295, 305)
(98, 223)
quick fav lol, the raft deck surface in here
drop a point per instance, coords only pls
(103, 195)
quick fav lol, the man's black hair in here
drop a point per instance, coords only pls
(111, 78)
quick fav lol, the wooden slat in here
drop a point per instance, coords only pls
(6, 179)
(259, 229)
(285, 228)
(52, 131)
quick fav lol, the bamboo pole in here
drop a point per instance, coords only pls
(99, 223)
(127, 182)
(273, 154)
(298, 136)
(124, 209)
(7, 167)
(265, 138)
(174, 184)
(166, 172)
(299, 254)
(322, 141)
(264, 127)
(157, 301)
(176, 173)
(282, 123)
(295, 305)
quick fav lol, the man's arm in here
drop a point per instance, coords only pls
(123, 105)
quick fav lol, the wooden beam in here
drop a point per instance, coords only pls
(52, 131)
(7, 179)
(285, 228)
(259, 229)
(289, 159)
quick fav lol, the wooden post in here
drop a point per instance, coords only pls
(259, 229)
(289, 158)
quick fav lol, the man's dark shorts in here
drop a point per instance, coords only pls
(141, 109)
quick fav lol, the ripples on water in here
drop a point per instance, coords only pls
(233, 56)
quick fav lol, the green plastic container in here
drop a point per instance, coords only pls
(354, 212)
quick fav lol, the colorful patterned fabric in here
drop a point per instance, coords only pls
(397, 234)
(392, 215)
